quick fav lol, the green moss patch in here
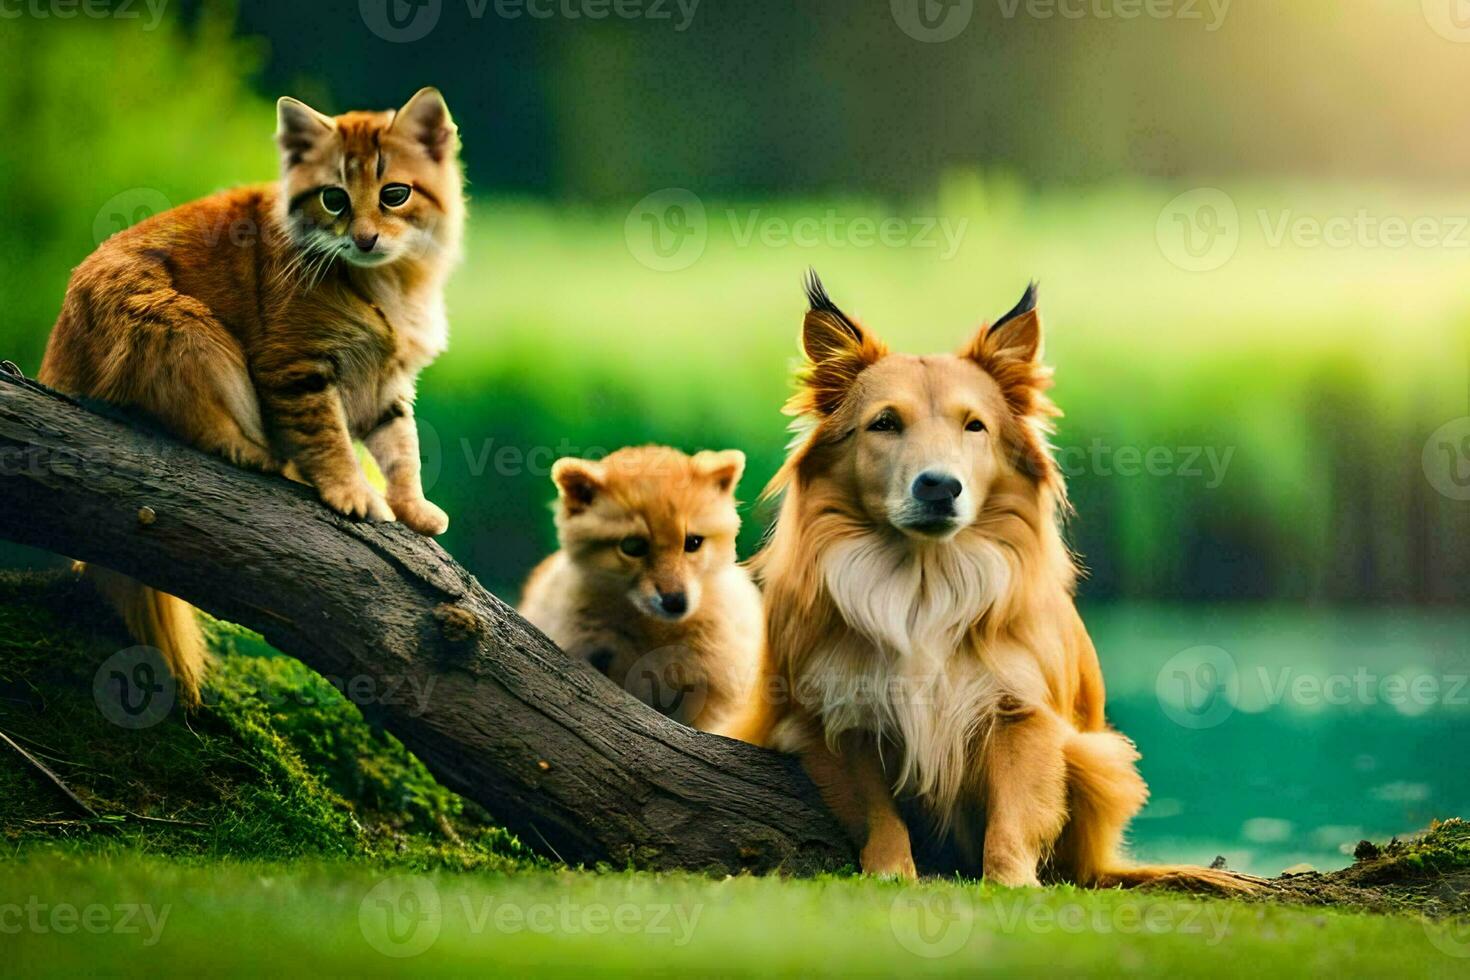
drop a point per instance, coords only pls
(276, 765)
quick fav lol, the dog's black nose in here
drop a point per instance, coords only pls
(365, 243)
(937, 489)
(673, 603)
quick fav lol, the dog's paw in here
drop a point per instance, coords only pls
(422, 516)
(885, 861)
(1012, 876)
(357, 500)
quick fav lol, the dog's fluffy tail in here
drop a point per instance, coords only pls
(1105, 790)
(158, 620)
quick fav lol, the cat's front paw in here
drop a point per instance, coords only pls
(422, 516)
(357, 500)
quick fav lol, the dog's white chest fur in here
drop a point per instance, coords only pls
(908, 671)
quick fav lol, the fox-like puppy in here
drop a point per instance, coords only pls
(646, 587)
(275, 324)
(923, 652)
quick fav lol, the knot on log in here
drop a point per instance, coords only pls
(458, 624)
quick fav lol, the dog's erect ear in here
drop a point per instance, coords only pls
(837, 349)
(299, 127)
(724, 468)
(1014, 337)
(425, 118)
(579, 481)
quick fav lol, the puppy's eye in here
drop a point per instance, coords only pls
(335, 200)
(395, 195)
(634, 547)
(693, 543)
(887, 422)
(975, 425)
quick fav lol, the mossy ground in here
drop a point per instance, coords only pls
(304, 839)
(276, 765)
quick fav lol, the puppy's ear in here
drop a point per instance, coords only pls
(299, 127)
(837, 349)
(724, 468)
(425, 119)
(578, 481)
(1014, 337)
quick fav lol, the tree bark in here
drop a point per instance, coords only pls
(575, 767)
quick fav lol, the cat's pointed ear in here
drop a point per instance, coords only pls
(578, 481)
(837, 349)
(425, 119)
(1014, 337)
(299, 127)
(723, 468)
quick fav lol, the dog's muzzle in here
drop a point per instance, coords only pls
(933, 505)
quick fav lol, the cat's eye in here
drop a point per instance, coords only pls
(335, 200)
(693, 543)
(975, 425)
(634, 546)
(395, 195)
(887, 422)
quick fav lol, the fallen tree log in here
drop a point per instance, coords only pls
(575, 767)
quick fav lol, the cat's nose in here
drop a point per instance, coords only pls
(365, 243)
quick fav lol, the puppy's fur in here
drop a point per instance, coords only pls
(924, 655)
(645, 586)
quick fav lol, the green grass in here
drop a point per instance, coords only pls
(248, 919)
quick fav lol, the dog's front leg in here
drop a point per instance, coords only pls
(852, 785)
(1025, 777)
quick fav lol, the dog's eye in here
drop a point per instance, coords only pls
(335, 200)
(634, 547)
(395, 195)
(693, 543)
(975, 425)
(884, 423)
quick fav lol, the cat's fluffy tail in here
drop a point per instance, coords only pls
(158, 620)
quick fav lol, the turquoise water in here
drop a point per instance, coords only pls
(1278, 736)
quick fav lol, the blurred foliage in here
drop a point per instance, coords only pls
(812, 96)
(1315, 374)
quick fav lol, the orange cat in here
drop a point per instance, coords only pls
(275, 324)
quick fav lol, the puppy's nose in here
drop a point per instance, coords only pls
(937, 489)
(673, 603)
(365, 243)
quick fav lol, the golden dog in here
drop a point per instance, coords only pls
(923, 652)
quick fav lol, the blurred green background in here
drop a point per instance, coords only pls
(1251, 222)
